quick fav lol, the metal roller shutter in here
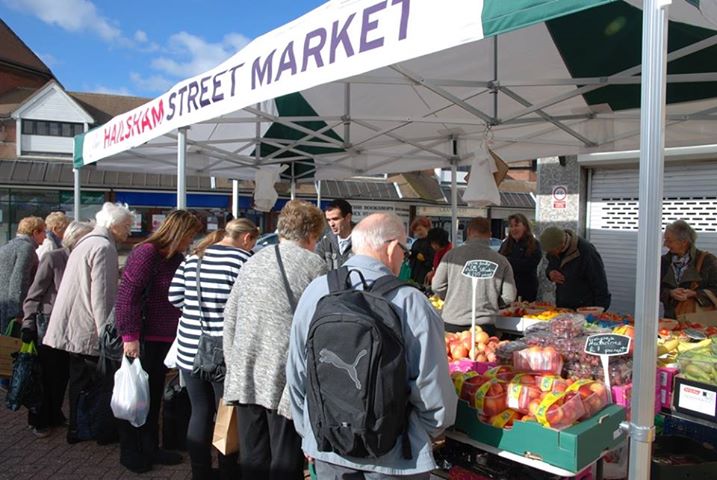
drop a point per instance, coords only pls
(690, 193)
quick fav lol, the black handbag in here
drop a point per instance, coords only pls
(209, 360)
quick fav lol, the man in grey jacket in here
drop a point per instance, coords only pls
(379, 247)
(335, 246)
(495, 289)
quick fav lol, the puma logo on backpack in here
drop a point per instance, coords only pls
(357, 380)
(327, 356)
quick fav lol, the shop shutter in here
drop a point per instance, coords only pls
(690, 193)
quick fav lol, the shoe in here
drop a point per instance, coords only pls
(41, 432)
(72, 437)
(136, 466)
(165, 457)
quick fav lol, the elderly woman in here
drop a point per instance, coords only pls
(18, 264)
(688, 275)
(83, 305)
(142, 311)
(37, 308)
(257, 323)
(212, 279)
(55, 225)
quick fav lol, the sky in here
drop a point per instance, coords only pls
(141, 48)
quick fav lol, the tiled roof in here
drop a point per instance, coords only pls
(103, 107)
(15, 52)
(507, 199)
(356, 190)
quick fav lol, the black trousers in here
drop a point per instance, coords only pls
(83, 374)
(139, 445)
(204, 397)
(55, 365)
(269, 447)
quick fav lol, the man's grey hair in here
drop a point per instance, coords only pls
(374, 231)
(75, 231)
(112, 214)
(682, 231)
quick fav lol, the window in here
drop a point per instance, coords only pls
(52, 129)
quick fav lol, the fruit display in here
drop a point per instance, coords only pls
(567, 325)
(620, 370)
(594, 395)
(700, 363)
(436, 301)
(501, 372)
(538, 359)
(521, 309)
(458, 345)
(560, 410)
(524, 392)
(459, 378)
(490, 398)
(504, 352)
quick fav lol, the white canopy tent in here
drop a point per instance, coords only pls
(412, 85)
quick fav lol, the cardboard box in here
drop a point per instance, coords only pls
(696, 399)
(572, 449)
(666, 380)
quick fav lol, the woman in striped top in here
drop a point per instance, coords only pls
(220, 264)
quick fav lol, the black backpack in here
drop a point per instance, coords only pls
(357, 392)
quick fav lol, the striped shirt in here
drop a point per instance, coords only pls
(219, 269)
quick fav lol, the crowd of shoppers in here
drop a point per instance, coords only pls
(260, 308)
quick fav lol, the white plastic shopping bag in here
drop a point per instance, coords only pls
(170, 361)
(130, 396)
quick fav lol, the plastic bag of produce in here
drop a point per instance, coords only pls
(130, 396)
(567, 325)
(594, 396)
(699, 365)
(560, 410)
(537, 359)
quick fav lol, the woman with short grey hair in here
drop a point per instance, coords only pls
(37, 309)
(257, 323)
(688, 275)
(82, 306)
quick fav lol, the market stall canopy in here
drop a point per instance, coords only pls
(412, 84)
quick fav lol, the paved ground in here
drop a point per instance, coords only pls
(24, 457)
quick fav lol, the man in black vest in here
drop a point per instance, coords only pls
(335, 246)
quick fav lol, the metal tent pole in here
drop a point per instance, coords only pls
(652, 141)
(318, 193)
(293, 182)
(77, 193)
(454, 193)
(235, 198)
(182, 168)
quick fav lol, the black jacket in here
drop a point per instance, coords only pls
(328, 249)
(525, 266)
(419, 269)
(585, 280)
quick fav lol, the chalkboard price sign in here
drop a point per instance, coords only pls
(480, 269)
(608, 344)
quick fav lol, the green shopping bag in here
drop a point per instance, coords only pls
(405, 273)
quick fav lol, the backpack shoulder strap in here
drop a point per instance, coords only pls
(337, 279)
(386, 284)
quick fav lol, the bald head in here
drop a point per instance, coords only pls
(371, 233)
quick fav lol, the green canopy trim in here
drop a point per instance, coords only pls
(608, 40)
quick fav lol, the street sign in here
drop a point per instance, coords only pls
(560, 196)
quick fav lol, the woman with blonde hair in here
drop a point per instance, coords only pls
(142, 311)
(200, 288)
(18, 264)
(257, 323)
(55, 225)
(37, 308)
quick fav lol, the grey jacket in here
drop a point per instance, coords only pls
(43, 291)
(450, 284)
(328, 249)
(18, 264)
(431, 392)
(257, 322)
(86, 296)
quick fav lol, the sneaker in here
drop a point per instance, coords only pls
(41, 432)
(165, 457)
